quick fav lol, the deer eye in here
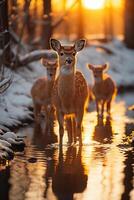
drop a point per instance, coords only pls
(61, 53)
(73, 54)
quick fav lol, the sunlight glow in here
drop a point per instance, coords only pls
(117, 3)
(93, 4)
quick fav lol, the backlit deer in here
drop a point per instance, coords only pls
(70, 91)
(42, 91)
(104, 88)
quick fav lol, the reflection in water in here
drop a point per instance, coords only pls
(4, 184)
(100, 170)
(69, 176)
(103, 130)
(128, 180)
(41, 138)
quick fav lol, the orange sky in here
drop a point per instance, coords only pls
(88, 4)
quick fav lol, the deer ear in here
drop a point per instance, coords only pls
(55, 44)
(44, 62)
(90, 66)
(79, 45)
(105, 66)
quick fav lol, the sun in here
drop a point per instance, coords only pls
(93, 4)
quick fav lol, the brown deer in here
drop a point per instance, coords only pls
(70, 91)
(104, 88)
(42, 91)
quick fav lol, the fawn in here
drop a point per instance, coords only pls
(104, 88)
(70, 90)
(42, 91)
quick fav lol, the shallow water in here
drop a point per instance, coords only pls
(102, 169)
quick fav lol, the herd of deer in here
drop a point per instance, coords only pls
(64, 90)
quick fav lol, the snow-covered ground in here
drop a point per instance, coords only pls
(121, 62)
(15, 102)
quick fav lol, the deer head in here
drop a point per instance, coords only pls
(51, 67)
(98, 71)
(67, 54)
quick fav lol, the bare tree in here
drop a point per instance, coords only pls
(108, 20)
(47, 28)
(129, 23)
(13, 14)
(5, 82)
(30, 26)
(66, 24)
(5, 77)
(4, 30)
(80, 20)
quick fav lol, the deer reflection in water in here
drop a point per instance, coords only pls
(103, 130)
(43, 136)
(69, 176)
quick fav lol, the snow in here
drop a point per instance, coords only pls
(121, 62)
(16, 101)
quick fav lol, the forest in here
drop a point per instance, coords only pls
(66, 99)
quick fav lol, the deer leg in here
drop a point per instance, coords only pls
(37, 110)
(102, 108)
(49, 116)
(109, 106)
(60, 117)
(74, 129)
(69, 129)
(97, 107)
(79, 118)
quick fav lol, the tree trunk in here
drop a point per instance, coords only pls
(47, 27)
(4, 31)
(13, 4)
(80, 20)
(108, 21)
(129, 23)
(66, 21)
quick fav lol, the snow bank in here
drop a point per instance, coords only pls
(15, 102)
(121, 62)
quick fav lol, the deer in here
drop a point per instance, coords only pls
(41, 92)
(70, 91)
(104, 88)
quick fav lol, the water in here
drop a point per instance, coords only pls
(102, 169)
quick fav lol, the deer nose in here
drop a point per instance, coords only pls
(69, 60)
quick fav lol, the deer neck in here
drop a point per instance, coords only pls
(49, 87)
(66, 84)
(99, 80)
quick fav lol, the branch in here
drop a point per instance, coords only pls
(36, 55)
(26, 10)
(3, 52)
(108, 50)
(65, 14)
(2, 73)
(5, 82)
(16, 39)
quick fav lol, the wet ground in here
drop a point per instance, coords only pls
(102, 169)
